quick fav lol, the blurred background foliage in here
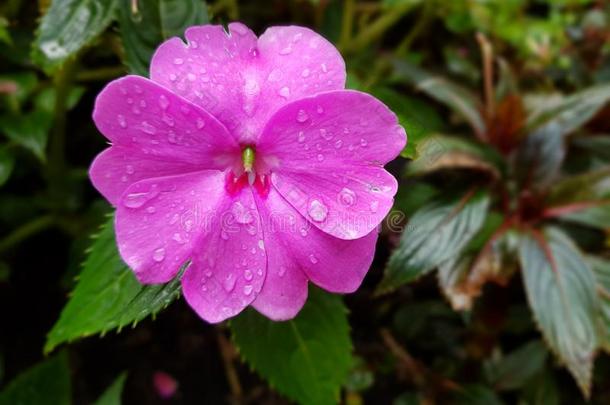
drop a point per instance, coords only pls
(491, 282)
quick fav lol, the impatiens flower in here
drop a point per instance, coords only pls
(246, 157)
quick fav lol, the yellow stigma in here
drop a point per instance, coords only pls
(247, 156)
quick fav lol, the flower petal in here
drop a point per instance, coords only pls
(159, 220)
(117, 168)
(242, 80)
(296, 248)
(136, 113)
(326, 153)
(229, 265)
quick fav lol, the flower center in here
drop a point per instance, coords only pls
(260, 182)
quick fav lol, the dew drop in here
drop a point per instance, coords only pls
(302, 116)
(248, 275)
(173, 77)
(200, 123)
(148, 128)
(338, 144)
(374, 206)
(284, 92)
(191, 77)
(317, 210)
(129, 169)
(275, 75)
(363, 142)
(347, 197)
(301, 137)
(151, 210)
(178, 61)
(224, 235)
(194, 44)
(178, 238)
(229, 283)
(169, 120)
(241, 213)
(324, 68)
(320, 110)
(320, 157)
(121, 119)
(325, 134)
(163, 102)
(282, 271)
(305, 73)
(248, 289)
(286, 51)
(313, 259)
(159, 255)
(136, 200)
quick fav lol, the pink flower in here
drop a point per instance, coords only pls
(247, 157)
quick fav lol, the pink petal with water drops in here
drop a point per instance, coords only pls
(326, 154)
(229, 264)
(334, 264)
(159, 220)
(117, 167)
(345, 204)
(136, 113)
(242, 80)
(336, 130)
(285, 290)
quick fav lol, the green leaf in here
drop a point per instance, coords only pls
(30, 130)
(436, 233)
(601, 269)
(45, 383)
(67, 27)
(107, 295)
(562, 295)
(416, 116)
(517, 368)
(153, 21)
(589, 186)
(25, 81)
(449, 152)
(569, 113)
(541, 390)
(307, 358)
(112, 395)
(477, 394)
(540, 156)
(444, 91)
(45, 100)
(7, 162)
(598, 145)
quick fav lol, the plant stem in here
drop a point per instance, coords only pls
(346, 24)
(56, 153)
(227, 353)
(25, 231)
(417, 29)
(100, 74)
(488, 74)
(378, 27)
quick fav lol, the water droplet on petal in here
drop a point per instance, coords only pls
(303, 232)
(248, 275)
(241, 213)
(324, 67)
(284, 92)
(169, 120)
(338, 144)
(224, 235)
(136, 200)
(229, 283)
(200, 123)
(286, 51)
(313, 259)
(363, 142)
(159, 255)
(281, 271)
(301, 137)
(305, 73)
(248, 289)
(148, 128)
(191, 77)
(320, 110)
(122, 122)
(374, 206)
(320, 157)
(178, 61)
(275, 75)
(302, 116)
(151, 210)
(347, 197)
(317, 210)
